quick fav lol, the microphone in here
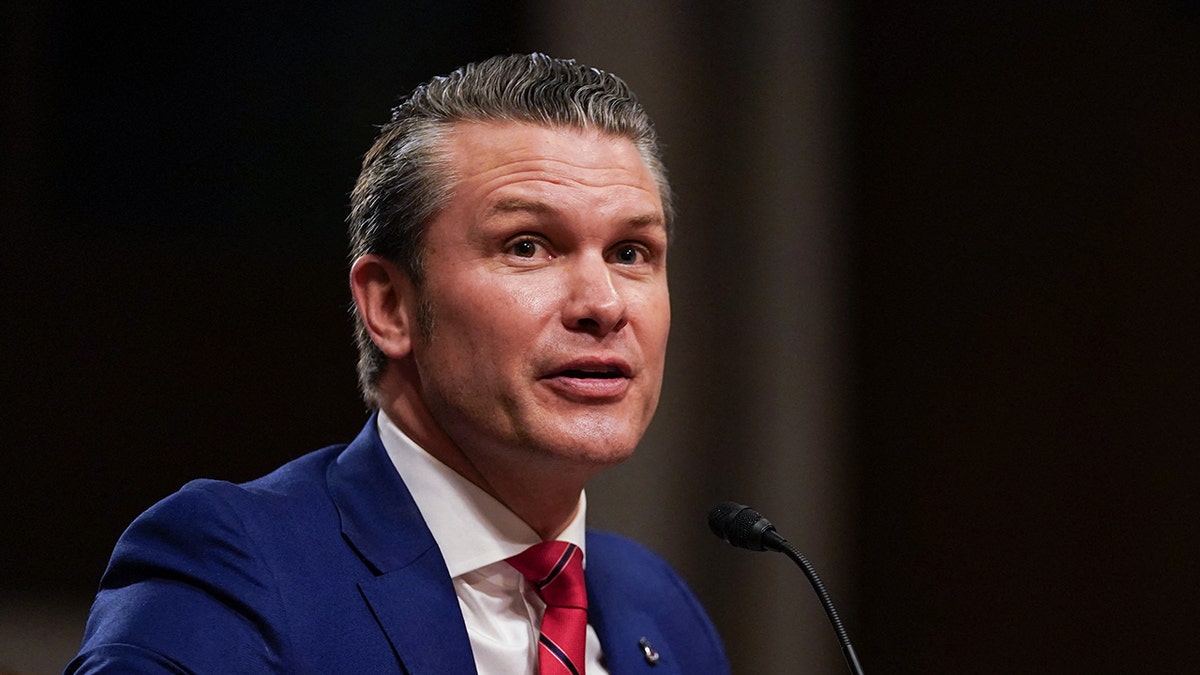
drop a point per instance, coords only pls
(743, 527)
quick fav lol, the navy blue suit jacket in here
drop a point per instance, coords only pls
(326, 566)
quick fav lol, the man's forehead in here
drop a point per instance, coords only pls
(492, 151)
(464, 139)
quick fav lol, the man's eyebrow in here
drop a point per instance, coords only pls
(518, 205)
(648, 220)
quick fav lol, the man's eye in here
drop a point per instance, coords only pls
(629, 255)
(526, 248)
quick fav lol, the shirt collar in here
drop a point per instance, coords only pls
(472, 528)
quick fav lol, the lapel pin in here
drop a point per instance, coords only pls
(648, 650)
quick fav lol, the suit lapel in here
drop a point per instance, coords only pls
(409, 590)
(621, 628)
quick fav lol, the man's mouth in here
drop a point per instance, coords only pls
(589, 373)
(592, 380)
(594, 368)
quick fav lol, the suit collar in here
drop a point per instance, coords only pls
(379, 517)
(409, 590)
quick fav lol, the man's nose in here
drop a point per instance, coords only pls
(594, 303)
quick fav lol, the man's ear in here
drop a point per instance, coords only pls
(386, 301)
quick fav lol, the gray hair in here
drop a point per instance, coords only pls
(405, 179)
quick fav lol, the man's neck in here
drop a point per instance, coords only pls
(544, 494)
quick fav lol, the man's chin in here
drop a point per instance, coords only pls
(606, 457)
(594, 446)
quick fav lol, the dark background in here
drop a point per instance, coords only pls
(177, 258)
(1021, 240)
(1028, 230)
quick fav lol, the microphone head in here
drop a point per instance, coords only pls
(743, 527)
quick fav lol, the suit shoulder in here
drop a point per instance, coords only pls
(205, 515)
(297, 474)
(214, 554)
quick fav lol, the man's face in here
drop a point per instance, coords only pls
(545, 284)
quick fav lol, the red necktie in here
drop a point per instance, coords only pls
(555, 568)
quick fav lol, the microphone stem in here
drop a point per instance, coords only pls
(782, 545)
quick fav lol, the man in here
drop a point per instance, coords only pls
(510, 231)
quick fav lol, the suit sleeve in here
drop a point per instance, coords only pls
(186, 591)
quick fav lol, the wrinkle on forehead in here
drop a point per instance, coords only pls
(595, 158)
(508, 205)
(511, 168)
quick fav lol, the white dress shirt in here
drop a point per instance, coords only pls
(476, 534)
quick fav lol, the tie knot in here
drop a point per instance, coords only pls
(555, 568)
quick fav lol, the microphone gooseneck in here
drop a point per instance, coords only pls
(743, 527)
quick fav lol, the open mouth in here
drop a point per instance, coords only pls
(601, 374)
(592, 379)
